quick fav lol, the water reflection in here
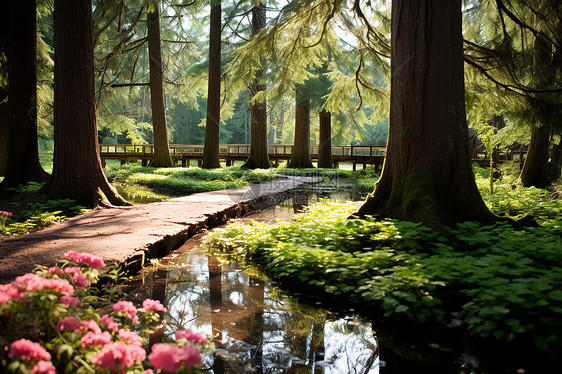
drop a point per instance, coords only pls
(256, 327)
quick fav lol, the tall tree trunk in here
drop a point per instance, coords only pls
(161, 155)
(534, 172)
(77, 170)
(215, 300)
(427, 175)
(300, 156)
(555, 165)
(325, 140)
(211, 149)
(22, 150)
(258, 157)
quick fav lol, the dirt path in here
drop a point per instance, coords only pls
(129, 235)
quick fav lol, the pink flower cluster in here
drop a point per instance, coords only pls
(4, 213)
(127, 309)
(156, 305)
(109, 323)
(191, 336)
(43, 367)
(85, 258)
(27, 350)
(33, 282)
(10, 291)
(91, 339)
(68, 324)
(170, 358)
(118, 356)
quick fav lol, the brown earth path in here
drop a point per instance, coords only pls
(128, 236)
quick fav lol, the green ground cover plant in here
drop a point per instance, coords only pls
(495, 282)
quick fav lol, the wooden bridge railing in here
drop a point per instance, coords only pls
(238, 149)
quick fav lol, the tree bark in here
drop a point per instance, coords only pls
(427, 175)
(161, 154)
(300, 156)
(258, 157)
(212, 130)
(22, 150)
(325, 140)
(4, 35)
(555, 165)
(534, 172)
(77, 170)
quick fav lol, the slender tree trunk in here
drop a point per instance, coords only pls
(212, 130)
(77, 170)
(215, 299)
(427, 175)
(325, 140)
(161, 155)
(258, 157)
(300, 156)
(534, 172)
(22, 150)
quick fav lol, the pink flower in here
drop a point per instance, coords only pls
(130, 337)
(28, 351)
(170, 358)
(118, 356)
(128, 310)
(55, 270)
(92, 339)
(43, 367)
(148, 371)
(78, 278)
(109, 323)
(10, 291)
(68, 324)
(4, 213)
(69, 301)
(33, 282)
(90, 325)
(191, 336)
(149, 304)
(85, 258)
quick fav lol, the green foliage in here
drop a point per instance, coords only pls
(494, 281)
(184, 181)
(38, 212)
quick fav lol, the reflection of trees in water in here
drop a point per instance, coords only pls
(258, 329)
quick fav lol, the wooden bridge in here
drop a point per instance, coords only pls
(180, 153)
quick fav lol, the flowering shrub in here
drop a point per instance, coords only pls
(3, 218)
(57, 327)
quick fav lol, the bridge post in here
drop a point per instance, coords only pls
(103, 163)
(144, 162)
(354, 166)
(183, 162)
(336, 165)
(199, 162)
(123, 162)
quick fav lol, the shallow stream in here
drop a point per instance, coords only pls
(259, 328)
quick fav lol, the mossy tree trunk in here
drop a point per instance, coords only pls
(325, 140)
(534, 172)
(22, 161)
(427, 175)
(161, 154)
(258, 157)
(300, 155)
(77, 170)
(212, 128)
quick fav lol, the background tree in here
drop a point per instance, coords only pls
(427, 175)
(325, 140)
(300, 155)
(211, 150)
(22, 150)
(161, 153)
(77, 170)
(258, 157)
(4, 34)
